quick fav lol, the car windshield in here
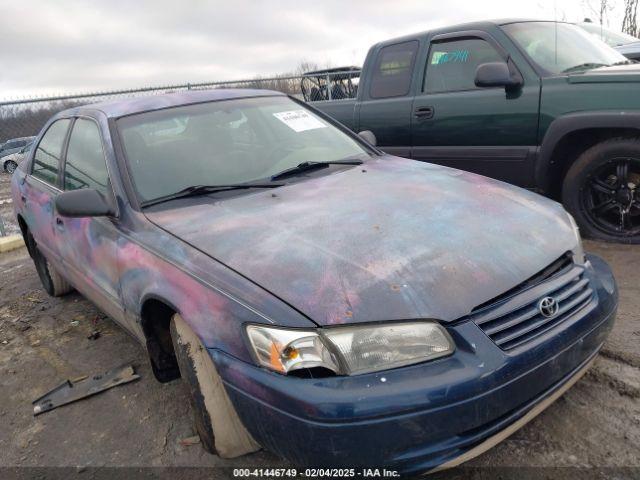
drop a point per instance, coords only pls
(226, 142)
(611, 38)
(561, 47)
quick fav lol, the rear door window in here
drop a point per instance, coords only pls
(46, 159)
(451, 65)
(393, 70)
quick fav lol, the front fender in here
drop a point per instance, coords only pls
(211, 298)
(574, 122)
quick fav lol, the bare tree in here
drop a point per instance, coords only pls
(599, 8)
(306, 66)
(630, 22)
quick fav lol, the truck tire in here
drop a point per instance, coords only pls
(217, 423)
(602, 191)
(52, 282)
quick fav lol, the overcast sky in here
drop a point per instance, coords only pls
(63, 46)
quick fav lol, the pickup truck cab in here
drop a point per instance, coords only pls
(542, 105)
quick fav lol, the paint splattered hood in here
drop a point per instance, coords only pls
(392, 239)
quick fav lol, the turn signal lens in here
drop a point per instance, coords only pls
(285, 350)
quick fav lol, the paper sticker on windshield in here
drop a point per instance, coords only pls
(299, 120)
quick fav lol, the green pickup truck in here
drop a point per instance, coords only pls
(543, 105)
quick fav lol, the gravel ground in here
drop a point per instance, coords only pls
(592, 431)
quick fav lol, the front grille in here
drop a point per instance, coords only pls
(516, 319)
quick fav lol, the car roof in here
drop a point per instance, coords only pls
(130, 106)
(479, 25)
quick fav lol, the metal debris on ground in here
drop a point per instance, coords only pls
(77, 389)
(189, 441)
(94, 335)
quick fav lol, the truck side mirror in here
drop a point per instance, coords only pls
(496, 74)
(369, 137)
(86, 202)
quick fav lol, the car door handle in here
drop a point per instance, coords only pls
(59, 222)
(424, 112)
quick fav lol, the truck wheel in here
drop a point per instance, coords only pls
(53, 283)
(220, 429)
(602, 191)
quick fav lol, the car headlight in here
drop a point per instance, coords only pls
(577, 251)
(349, 350)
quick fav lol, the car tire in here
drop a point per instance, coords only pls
(52, 282)
(217, 423)
(602, 191)
(10, 167)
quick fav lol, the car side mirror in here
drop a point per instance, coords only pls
(496, 74)
(86, 202)
(369, 137)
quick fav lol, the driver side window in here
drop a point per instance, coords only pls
(451, 65)
(85, 165)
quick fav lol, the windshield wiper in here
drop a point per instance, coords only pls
(585, 66)
(195, 190)
(306, 166)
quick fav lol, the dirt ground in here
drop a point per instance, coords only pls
(592, 431)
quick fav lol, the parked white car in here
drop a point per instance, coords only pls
(11, 162)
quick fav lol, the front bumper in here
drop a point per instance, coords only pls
(417, 418)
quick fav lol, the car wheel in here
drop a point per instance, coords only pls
(602, 191)
(216, 421)
(10, 166)
(53, 283)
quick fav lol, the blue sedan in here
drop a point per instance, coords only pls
(323, 300)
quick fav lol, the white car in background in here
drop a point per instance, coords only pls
(627, 45)
(11, 162)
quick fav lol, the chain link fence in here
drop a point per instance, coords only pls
(25, 117)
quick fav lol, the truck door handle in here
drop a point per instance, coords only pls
(424, 112)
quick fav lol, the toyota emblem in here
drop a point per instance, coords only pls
(548, 307)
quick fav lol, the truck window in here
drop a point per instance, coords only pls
(393, 70)
(451, 66)
(46, 160)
